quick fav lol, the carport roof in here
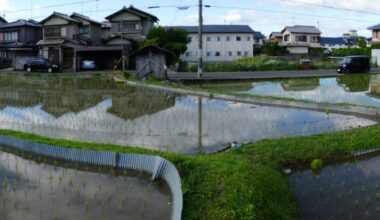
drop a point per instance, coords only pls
(88, 49)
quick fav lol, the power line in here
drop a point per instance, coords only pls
(291, 13)
(332, 7)
(51, 6)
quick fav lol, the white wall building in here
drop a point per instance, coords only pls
(221, 42)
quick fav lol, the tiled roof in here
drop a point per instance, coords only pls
(375, 27)
(63, 16)
(302, 29)
(258, 34)
(217, 29)
(85, 18)
(332, 40)
(18, 23)
(276, 34)
(2, 20)
(133, 10)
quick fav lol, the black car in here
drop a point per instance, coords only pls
(41, 65)
(354, 64)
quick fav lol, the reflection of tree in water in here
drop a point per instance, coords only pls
(354, 83)
(300, 84)
(62, 95)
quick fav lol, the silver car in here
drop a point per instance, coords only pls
(89, 65)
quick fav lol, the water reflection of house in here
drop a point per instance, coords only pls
(59, 96)
(300, 84)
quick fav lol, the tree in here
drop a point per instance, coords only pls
(273, 49)
(362, 43)
(172, 39)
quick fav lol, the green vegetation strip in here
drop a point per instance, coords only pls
(246, 183)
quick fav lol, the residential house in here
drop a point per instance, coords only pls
(352, 38)
(18, 39)
(60, 36)
(220, 42)
(375, 42)
(89, 30)
(330, 43)
(129, 24)
(258, 39)
(275, 37)
(301, 39)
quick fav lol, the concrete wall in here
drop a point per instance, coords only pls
(298, 50)
(375, 54)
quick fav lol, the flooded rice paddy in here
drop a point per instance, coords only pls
(98, 110)
(35, 188)
(353, 89)
(342, 191)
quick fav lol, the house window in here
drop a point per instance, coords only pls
(248, 38)
(187, 54)
(287, 38)
(378, 34)
(125, 27)
(52, 32)
(10, 36)
(217, 54)
(238, 38)
(315, 39)
(246, 53)
(189, 39)
(1, 37)
(228, 39)
(229, 53)
(84, 30)
(208, 54)
(238, 53)
(301, 38)
(218, 39)
(208, 38)
(257, 41)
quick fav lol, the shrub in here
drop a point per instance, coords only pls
(316, 164)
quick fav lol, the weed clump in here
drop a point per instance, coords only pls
(316, 164)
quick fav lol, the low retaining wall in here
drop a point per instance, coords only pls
(159, 167)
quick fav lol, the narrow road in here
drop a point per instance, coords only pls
(183, 76)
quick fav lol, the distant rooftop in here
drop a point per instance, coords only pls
(85, 18)
(276, 34)
(333, 40)
(218, 29)
(302, 29)
(374, 27)
(258, 34)
(60, 15)
(135, 11)
(21, 22)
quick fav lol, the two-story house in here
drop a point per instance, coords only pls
(220, 42)
(60, 36)
(375, 41)
(301, 39)
(128, 24)
(18, 39)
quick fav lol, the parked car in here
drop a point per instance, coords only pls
(41, 65)
(354, 64)
(89, 65)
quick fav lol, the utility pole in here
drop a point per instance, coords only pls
(200, 41)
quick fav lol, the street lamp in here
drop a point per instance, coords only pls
(200, 32)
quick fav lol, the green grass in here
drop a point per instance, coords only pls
(246, 183)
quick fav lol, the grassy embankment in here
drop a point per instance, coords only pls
(246, 183)
(261, 64)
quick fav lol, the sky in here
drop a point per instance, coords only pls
(262, 15)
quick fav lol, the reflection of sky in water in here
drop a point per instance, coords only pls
(327, 91)
(339, 191)
(63, 193)
(176, 128)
